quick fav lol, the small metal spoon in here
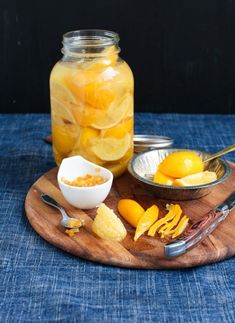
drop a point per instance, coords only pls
(220, 153)
(65, 218)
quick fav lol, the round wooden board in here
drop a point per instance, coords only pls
(147, 252)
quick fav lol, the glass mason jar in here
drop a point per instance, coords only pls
(91, 92)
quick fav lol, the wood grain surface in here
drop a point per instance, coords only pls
(147, 252)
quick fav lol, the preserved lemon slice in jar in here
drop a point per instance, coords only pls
(106, 151)
(114, 114)
(120, 130)
(64, 130)
(94, 92)
(62, 93)
(110, 149)
(60, 112)
(63, 138)
(58, 86)
(92, 95)
(97, 95)
(86, 138)
(85, 115)
(130, 111)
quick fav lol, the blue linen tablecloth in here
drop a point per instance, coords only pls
(40, 283)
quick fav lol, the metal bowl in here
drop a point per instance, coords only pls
(144, 165)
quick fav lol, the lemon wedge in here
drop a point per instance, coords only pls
(163, 179)
(107, 225)
(196, 179)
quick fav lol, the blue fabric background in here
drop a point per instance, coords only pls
(39, 283)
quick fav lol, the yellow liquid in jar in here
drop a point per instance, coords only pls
(92, 111)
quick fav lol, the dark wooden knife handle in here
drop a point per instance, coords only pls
(201, 229)
(195, 233)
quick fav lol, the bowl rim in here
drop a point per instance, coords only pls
(85, 188)
(131, 170)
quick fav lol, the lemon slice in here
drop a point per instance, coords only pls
(64, 105)
(114, 114)
(110, 149)
(130, 110)
(196, 179)
(118, 167)
(87, 137)
(64, 137)
(129, 113)
(61, 92)
(89, 88)
(107, 225)
(85, 115)
(61, 113)
(119, 130)
(96, 94)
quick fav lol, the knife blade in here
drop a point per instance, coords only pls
(199, 230)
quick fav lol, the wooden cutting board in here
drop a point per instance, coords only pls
(147, 252)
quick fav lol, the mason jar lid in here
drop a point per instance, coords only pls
(143, 142)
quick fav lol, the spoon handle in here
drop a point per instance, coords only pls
(220, 153)
(50, 201)
(65, 222)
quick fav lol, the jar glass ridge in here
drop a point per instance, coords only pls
(89, 42)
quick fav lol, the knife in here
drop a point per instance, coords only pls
(199, 230)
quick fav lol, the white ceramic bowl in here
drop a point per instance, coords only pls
(83, 197)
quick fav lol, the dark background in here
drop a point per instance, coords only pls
(182, 53)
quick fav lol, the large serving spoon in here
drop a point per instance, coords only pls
(220, 153)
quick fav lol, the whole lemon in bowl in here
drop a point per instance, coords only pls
(181, 163)
(160, 170)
